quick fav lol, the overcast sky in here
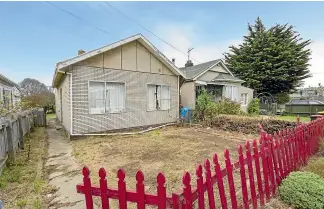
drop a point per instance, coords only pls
(34, 36)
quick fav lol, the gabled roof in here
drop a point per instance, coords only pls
(62, 66)
(7, 80)
(195, 70)
(226, 77)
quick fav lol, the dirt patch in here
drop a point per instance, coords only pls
(24, 183)
(171, 150)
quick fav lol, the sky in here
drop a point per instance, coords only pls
(34, 36)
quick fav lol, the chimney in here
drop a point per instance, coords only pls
(81, 51)
(173, 61)
(189, 63)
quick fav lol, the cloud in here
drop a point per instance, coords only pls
(317, 64)
(183, 36)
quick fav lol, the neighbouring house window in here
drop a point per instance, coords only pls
(244, 99)
(158, 97)
(232, 93)
(106, 97)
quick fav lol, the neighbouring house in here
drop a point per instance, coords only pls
(217, 79)
(9, 93)
(124, 85)
(308, 93)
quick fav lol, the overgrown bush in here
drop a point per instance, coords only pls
(315, 165)
(303, 190)
(254, 107)
(206, 109)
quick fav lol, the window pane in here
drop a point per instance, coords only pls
(151, 97)
(235, 96)
(165, 98)
(97, 97)
(115, 97)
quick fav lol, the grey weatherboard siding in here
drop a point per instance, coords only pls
(135, 114)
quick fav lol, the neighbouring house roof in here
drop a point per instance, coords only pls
(63, 65)
(226, 77)
(10, 82)
(193, 72)
(305, 102)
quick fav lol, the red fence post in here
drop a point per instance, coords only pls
(258, 171)
(161, 191)
(280, 159)
(122, 189)
(285, 145)
(140, 190)
(175, 201)
(210, 191)
(243, 178)
(87, 188)
(271, 169)
(229, 169)
(200, 187)
(251, 175)
(264, 152)
(220, 183)
(187, 190)
(103, 189)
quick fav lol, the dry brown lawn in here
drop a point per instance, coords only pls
(171, 150)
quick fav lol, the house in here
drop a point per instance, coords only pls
(217, 79)
(124, 85)
(9, 93)
(310, 93)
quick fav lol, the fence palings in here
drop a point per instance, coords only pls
(273, 158)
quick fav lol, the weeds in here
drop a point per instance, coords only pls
(21, 203)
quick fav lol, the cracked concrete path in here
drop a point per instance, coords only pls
(64, 172)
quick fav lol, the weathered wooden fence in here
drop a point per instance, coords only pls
(13, 127)
(259, 170)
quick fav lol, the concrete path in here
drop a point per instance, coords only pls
(64, 172)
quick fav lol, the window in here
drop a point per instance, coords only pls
(158, 97)
(106, 97)
(244, 99)
(232, 93)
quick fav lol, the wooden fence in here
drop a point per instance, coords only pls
(260, 168)
(13, 127)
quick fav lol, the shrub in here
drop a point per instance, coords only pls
(206, 109)
(254, 107)
(316, 165)
(303, 190)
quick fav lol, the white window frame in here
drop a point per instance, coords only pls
(245, 99)
(232, 98)
(105, 97)
(160, 99)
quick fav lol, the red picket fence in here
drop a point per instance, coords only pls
(266, 162)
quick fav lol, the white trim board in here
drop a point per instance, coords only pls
(210, 67)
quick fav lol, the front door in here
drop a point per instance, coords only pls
(61, 105)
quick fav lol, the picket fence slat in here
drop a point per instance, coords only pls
(265, 164)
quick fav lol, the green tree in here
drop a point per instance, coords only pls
(273, 60)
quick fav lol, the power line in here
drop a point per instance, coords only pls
(77, 17)
(144, 28)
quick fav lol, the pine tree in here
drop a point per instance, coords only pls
(273, 60)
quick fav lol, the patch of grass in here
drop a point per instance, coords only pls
(24, 180)
(293, 118)
(21, 203)
(37, 204)
(316, 165)
(49, 116)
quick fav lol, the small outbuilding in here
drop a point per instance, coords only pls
(304, 107)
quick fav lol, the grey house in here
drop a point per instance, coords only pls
(217, 79)
(123, 85)
(10, 93)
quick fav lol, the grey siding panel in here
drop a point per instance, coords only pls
(136, 113)
(66, 107)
